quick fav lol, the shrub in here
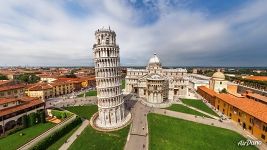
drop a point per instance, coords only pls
(32, 119)
(42, 145)
(42, 116)
(25, 121)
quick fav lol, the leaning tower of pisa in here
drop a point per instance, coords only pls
(111, 110)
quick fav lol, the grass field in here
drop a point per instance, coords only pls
(167, 133)
(89, 93)
(61, 141)
(13, 141)
(184, 109)
(122, 84)
(199, 105)
(83, 111)
(91, 139)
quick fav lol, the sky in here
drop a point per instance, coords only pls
(181, 32)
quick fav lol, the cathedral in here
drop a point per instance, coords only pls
(156, 85)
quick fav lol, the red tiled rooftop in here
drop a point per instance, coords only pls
(257, 96)
(39, 86)
(207, 90)
(7, 100)
(255, 109)
(260, 78)
(18, 86)
(22, 106)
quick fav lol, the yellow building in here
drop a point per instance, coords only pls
(62, 87)
(12, 91)
(249, 114)
(40, 90)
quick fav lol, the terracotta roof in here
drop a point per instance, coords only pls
(257, 96)
(260, 78)
(26, 104)
(4, 82)
(39, 87)
(255, 109)
(7, 100)
(18, 86)
(207, 90)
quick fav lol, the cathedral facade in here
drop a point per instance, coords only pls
(155, 84)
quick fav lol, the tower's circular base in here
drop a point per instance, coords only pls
(94, 122)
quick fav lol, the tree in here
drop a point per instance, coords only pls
(28, 78)
(3, 77)
(223, 91)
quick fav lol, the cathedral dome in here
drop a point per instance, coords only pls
(218, 75)
(154, 59)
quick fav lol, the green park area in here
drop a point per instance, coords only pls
(177, 134)
(83, 111)
(14, 141)
(198, 104)
(184, 109)
(91, 139)
(89, 93)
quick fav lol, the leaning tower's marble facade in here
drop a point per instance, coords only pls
(108, 79)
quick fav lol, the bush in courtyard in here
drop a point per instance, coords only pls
(32, 119)
(25, 121)
(42, 116)
(42, 145)
(60, 114)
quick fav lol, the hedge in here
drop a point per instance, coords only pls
(60, 114)
(32, 119)
(42, 145)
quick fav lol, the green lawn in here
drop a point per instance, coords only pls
(13, 141)
(167, 133)
(89, 93)
(61, 141)
(123, 84)
(199, 105)
(91, 139)
(83, 111)
(184, 109)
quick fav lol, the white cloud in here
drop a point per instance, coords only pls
(43, 33)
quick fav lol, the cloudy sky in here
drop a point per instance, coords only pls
(181, 32)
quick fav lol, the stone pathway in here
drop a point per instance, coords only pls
(75, 135)
(46, 134)
(225, 124)
(138, 134)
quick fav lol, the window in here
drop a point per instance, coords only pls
(238, 120)
(220, 82)
(5, 105)
(263, 136)
(249, 127)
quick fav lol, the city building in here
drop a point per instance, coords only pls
(111, 109)
(249, 114)
(155, 84)
(218, 82)
(40, 90)
(256, 97)
(12, 110)
(9, 91)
